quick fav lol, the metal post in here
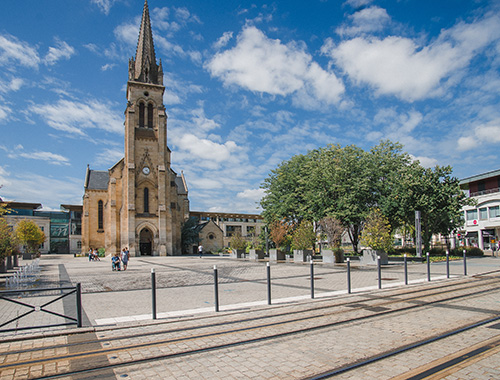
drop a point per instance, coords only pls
(428, 267)
(267, 241)
(379, 273)
(216, 288)
(465, 263)
(312, 278)
(406, 270)
(348, 275)
(153, 292)
(447, 264)
(268, 284)
(79, 305)
(418, 233)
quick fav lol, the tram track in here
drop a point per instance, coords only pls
(365, 302)
(312, 319)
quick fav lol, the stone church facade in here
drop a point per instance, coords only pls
(140, 202)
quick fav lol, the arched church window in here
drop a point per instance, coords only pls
(141, 115)
(100, 215)
(150, 115)
(146, 200)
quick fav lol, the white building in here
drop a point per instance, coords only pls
(482, 222)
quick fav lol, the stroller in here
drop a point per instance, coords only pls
(115, 263)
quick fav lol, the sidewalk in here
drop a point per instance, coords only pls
(185, 285)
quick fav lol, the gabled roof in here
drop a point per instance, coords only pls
(180, 181)
(96, 180)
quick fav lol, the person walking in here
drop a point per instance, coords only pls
(125, 256)
(200, 250)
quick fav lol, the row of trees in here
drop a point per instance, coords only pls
(345, 185)
(26, 233)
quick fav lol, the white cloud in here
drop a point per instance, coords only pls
(32, 187)
(208, 151)
(14, 50)
(108, 66)
(105, 5)
(74, 117)
(108, 157)
(223, 41)
(61, 51)
(426, 162)
(488, 133)
(127, 33)
(399, 66)
(4, 112)
(14, 85)
(367, 20)
(261, 64)
(358, 3)
(252, 195)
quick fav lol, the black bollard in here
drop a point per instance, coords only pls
(348, 276)
(79, 305)
(428, 267)
(465, 263)
(312, 278)
(379, 273)
(268, 284)
(447, 264)
(406, 269)
(216, 288)
(153, 292)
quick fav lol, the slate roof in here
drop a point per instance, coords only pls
(97, 180)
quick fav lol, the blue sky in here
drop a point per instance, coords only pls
(248, 85)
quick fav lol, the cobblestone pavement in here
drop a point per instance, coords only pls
(185, 296)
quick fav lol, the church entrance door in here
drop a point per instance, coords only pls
(146, 242)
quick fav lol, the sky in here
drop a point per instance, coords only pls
(249, 84)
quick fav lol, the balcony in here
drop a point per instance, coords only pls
(485, 192)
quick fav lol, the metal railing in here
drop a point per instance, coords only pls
(8, 295)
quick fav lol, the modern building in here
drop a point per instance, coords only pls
(482, 222)
(140, 202)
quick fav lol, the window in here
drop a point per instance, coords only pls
(141, 115)
(471, 214)
(150, 115)
(211, 236)
(495, 212)
(481, 186)
(146, 200)
(483, 213)
(100, 215)
(79, 244)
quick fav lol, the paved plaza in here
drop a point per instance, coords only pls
(114, 302)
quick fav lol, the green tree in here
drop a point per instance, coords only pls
(304, 237)
(377, 232)
(436, 194)
(237, 241)
(8, 244)
(190, 234)
(29, 234)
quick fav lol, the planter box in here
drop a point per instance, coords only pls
(256, 254)
(9, 262)
(370, 257)
(276, 255)
(332, 257)
(237, 253)
(302, 256)
(27, 256)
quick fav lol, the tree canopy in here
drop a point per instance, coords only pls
(29, 234)
(346, 183)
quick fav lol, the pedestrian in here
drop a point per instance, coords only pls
(91, 254)
(125, 257)
(115, 262)
(200, 250)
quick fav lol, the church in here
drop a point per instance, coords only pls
(140, 202)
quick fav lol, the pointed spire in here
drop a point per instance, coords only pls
(144, 68)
